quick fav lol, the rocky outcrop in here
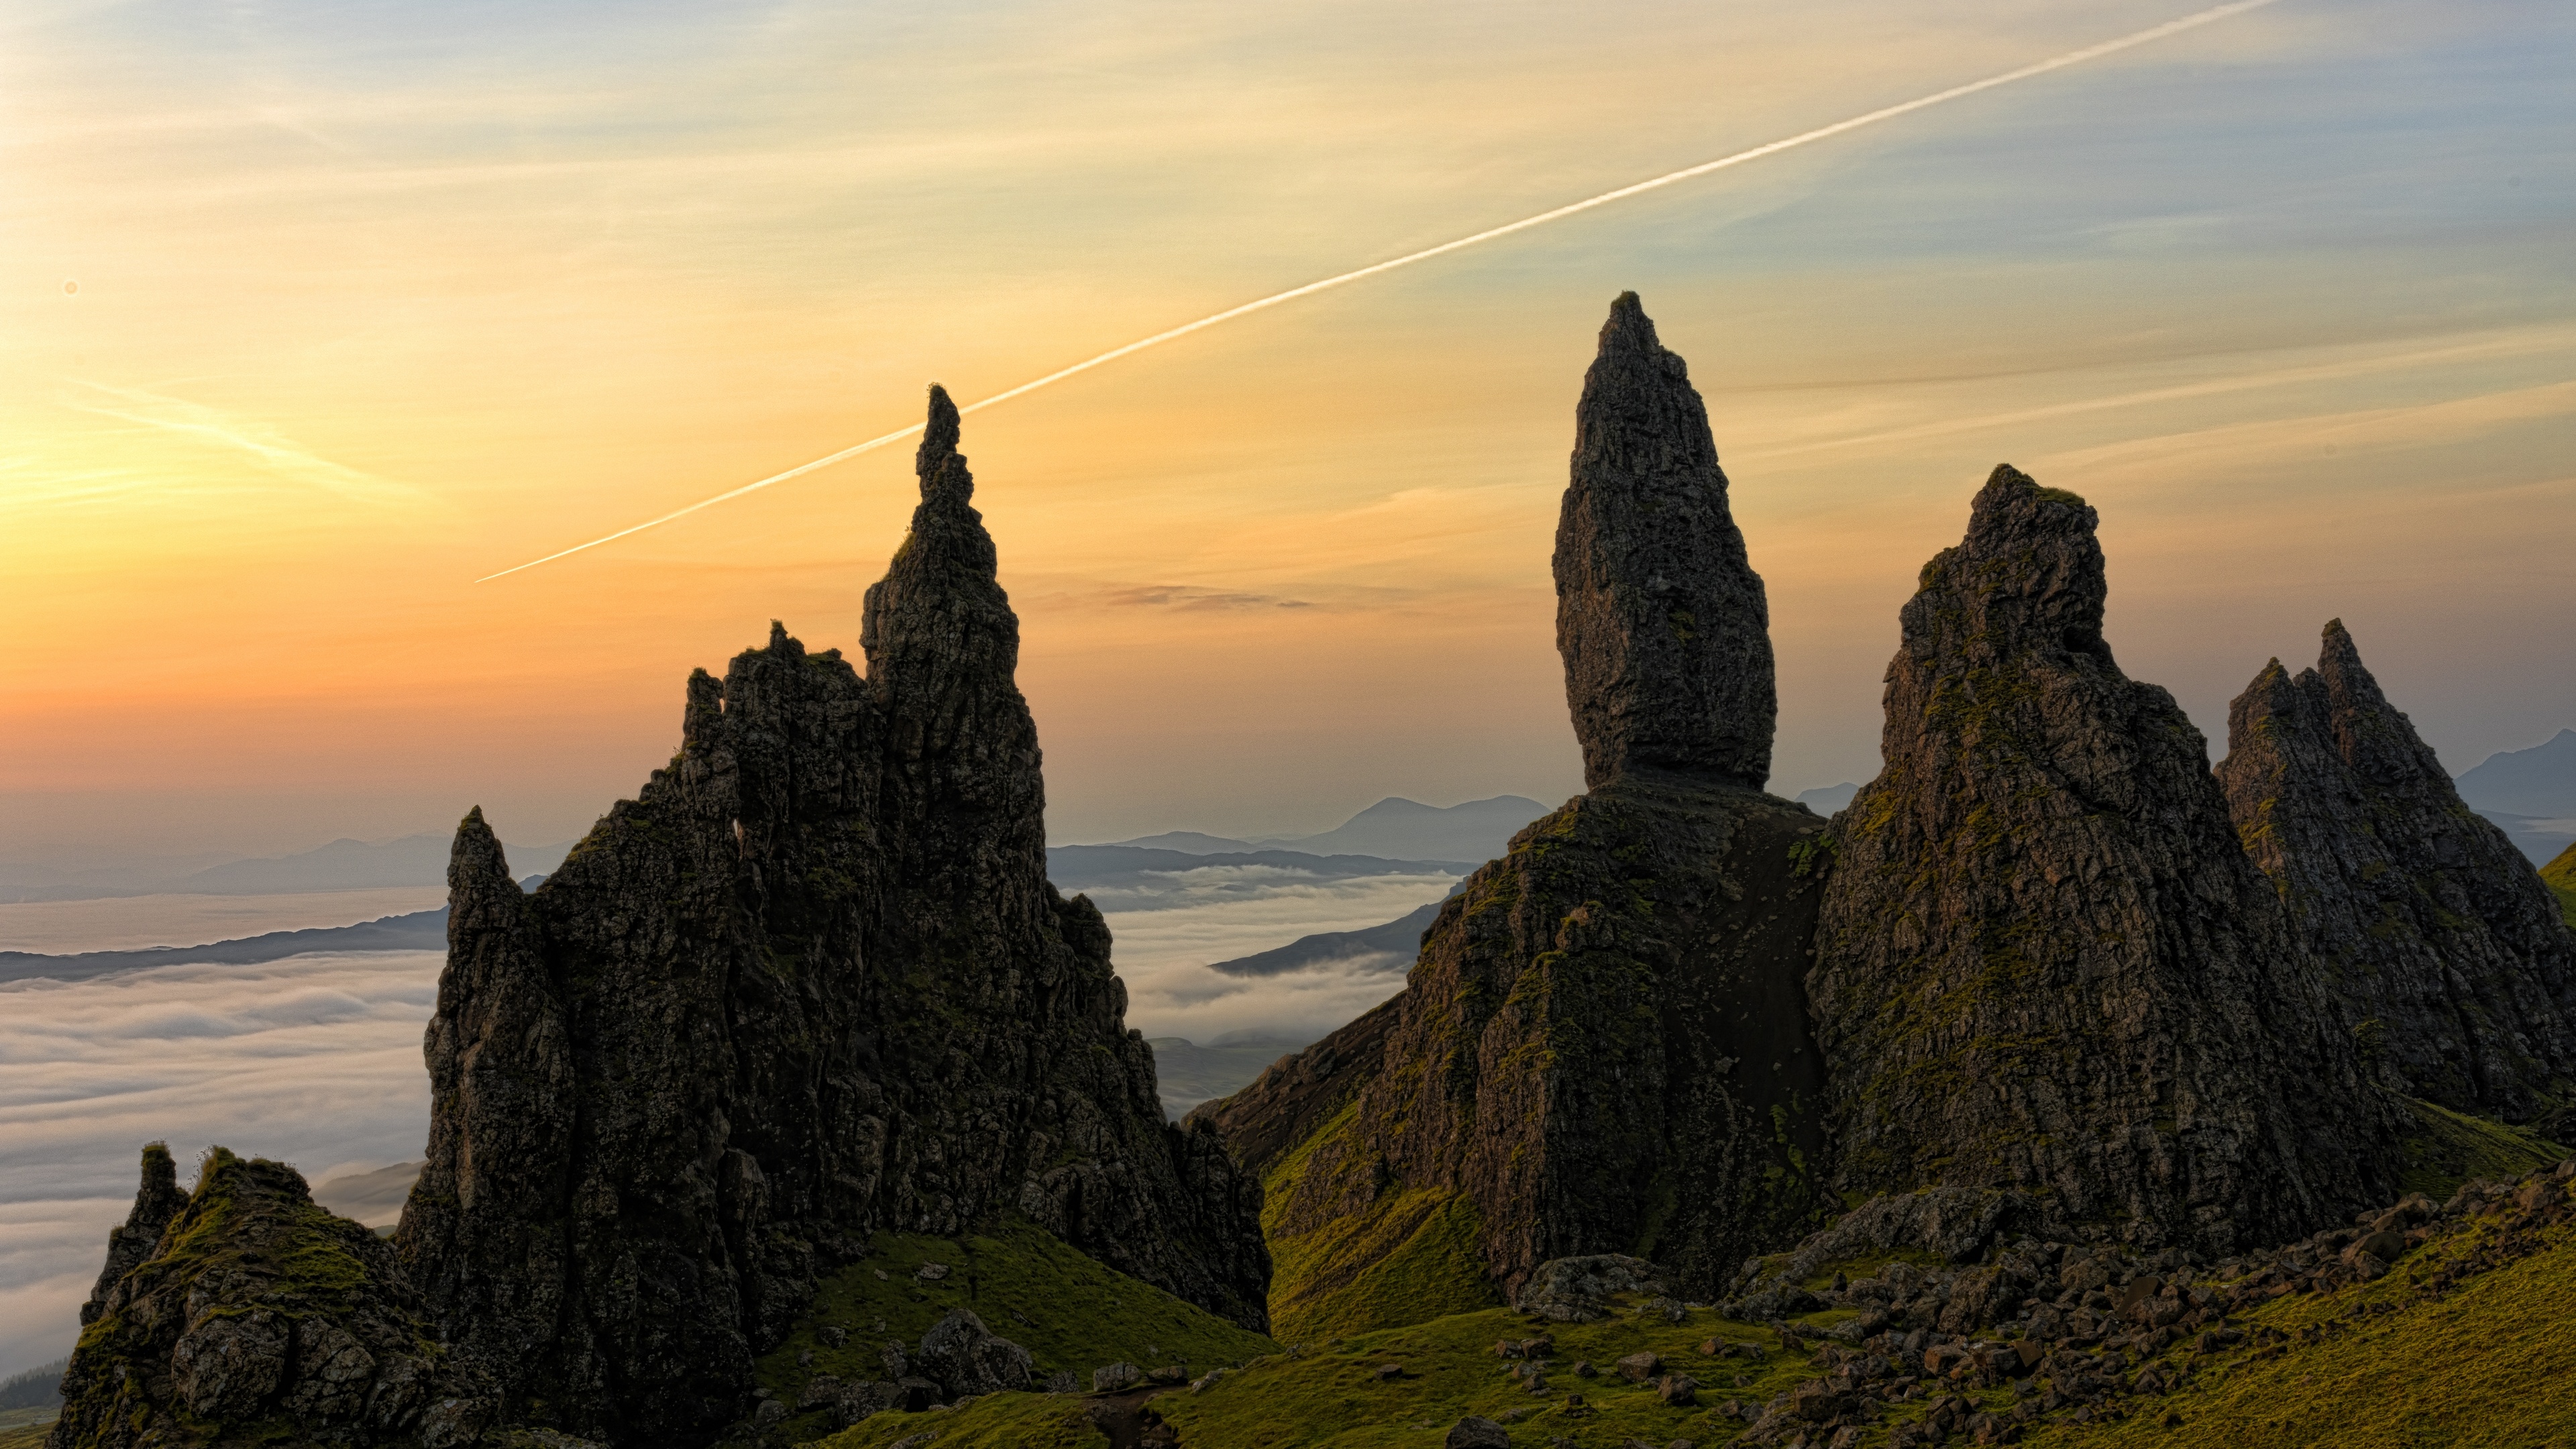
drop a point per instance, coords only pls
(1603, 1045)
(156, 1202)
(2043, 963)
(1661, 620)
(810, 983)
(2444, 953)
(251, 1315)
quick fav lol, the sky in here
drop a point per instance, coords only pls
(311, 315)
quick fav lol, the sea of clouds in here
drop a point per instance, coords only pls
(316, 1060)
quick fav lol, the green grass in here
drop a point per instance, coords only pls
(1406, 1258)
(2561, 876)
(26, 1436)
(1328, 1396)
(2448, 1148)
(995, 1421)
(2491, 1363)
(1068, 1310)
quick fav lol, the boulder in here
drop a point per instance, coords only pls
(965, 1358)
(1580, 1290)
(1475, 1433)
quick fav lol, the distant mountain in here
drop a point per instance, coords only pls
(1188, 1074)
(1393, 828)
(418, 931)
(1188, 842)
(2540, 781)
(1390, 948)
(1476, 831)
(412, 860)
(1826, 799)
(373, 1198)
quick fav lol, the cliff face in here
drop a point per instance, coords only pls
(249, 1315)
(2445, 955)
(1603, 1045)
(811, 983)
(2043, 961)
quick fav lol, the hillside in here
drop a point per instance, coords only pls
(2460, 1341)
(2560, 875)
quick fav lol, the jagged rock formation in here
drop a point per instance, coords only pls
(2043, 962)
(1661, 620)
(812, 982)
(156, 1202)
(1603, 1045)
(2446, 955)
(249, 1315)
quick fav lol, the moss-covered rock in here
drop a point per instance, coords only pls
(256, 1317)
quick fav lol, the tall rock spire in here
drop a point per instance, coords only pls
(156, 1201)
(2444, 952)
(810, 984)
(2043, 963)
(1659, 616)
(1603, 1047)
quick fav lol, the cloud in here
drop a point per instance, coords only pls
(276, 453)
(1163, 956)
(314, 1060)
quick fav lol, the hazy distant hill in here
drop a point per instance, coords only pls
(1826, 799)
(2540, 781)
(2529, 794)
(1187, 1074)
(412, 860)
(1393, 828)
(1390, 947)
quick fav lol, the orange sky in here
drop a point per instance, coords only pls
(310, 319)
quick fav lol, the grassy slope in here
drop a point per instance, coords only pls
(2561, 875)
(2490, 1363)
(27, 1436)
(1408, 1257)
(995, 1421)
(2376, 1366)
(2451, 1147)
(1066, 1309)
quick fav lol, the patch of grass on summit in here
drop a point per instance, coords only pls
(1068, 1310)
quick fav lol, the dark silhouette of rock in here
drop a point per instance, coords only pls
(251, 1314)
(156, 1202)
(2446, 955)
(1660, 618)
(811, 983)
(2043, 963)
(1603, 1045)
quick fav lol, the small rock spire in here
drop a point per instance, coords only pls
(1660, 618)
(156, 1201)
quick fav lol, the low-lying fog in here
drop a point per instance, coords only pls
(316, 1060)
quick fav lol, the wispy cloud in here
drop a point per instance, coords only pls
(1187, 597)
(276, 453)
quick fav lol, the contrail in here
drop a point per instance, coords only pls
(1888, 113)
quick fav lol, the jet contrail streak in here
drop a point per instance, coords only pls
(1887, 113)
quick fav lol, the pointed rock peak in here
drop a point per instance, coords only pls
(1660, 618)
(476, 860)
(938, 458)
(778, 635)
(2029, 573)
(2349, 682)
(1629, 328)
